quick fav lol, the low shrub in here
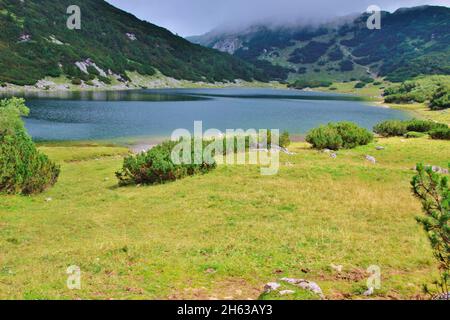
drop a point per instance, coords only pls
(105, 80)
(325, 137)
(424, 125)
(441, 98)
(413, 135)
(367, 80)
(397, 128)
(303, 84)
(339, 135)
(440, 134)
(23, 169)
(157, 167)
(285, 139)
(360, 85)
(77, 81)
(391, 128)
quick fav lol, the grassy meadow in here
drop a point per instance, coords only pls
(223, 235)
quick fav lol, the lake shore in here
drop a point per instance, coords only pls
(374, 94)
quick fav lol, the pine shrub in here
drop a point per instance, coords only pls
(23, 169)
(440, 134)
(156, 166)
(335, 136)
(432, 191)
(391, 128)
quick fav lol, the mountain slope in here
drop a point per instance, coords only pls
(35, 43)
(411, 42)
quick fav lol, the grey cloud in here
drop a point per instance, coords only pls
(192, 17)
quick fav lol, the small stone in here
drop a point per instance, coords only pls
(442, 297)
(305, 284)
(326, 151)
(286, 292)
(337, 268)
(371, 159)
(272, 286)
(440, 170)
(379, 148)
(333, 155)
(48, 199)
(369, 292)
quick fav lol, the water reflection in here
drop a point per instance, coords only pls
(150, 113)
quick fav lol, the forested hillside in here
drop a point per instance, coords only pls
(411, 42)
(35, 42)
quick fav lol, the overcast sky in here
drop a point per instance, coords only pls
(194, 17)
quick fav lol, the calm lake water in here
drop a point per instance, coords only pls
(157, 113)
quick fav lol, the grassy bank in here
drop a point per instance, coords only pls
(374, 92)
(222, 235)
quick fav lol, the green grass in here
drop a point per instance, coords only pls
(375, 92)
(225, 234)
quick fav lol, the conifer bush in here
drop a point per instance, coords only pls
(432, 190)
(424, 125)
(157, 167)
(440, 134)
(397, 128)
(335, 136)
(23, 169)
(391, 128)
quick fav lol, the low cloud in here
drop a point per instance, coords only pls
(191, 17)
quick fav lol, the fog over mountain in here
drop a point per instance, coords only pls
(195, 17)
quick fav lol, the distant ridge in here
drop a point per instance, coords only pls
(35, 43)
(412, 41)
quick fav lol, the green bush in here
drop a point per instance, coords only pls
(397, 128)
(156, 166)
(391, 128)
(285, 139)
(325, 137)
(77, 81)
(339, 135)
(367, 80)
(440, 134)
(303, 84)
(105, 80)
(441, 98)
(424, 125)
(413, 135)
(360, 85)
(23, 169)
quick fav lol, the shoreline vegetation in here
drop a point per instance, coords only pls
(372, 91)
